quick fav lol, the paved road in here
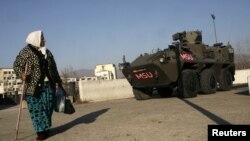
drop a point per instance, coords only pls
(157, 119)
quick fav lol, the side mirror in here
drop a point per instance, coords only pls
(172, 46)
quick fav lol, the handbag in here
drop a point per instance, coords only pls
(63, 103)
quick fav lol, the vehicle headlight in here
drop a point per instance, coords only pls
(162, 60)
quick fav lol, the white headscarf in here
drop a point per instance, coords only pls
(34, 38)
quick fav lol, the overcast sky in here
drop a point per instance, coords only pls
(84, 33)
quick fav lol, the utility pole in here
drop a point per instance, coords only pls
(213, 17)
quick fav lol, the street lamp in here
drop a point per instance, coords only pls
(213, 17)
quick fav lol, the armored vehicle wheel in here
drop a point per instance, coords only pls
(188, 84)
(165, 92)
(142, 94)
(208, 81)
(225, 81)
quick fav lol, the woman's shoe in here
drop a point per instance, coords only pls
(46, 132)
(41, 136)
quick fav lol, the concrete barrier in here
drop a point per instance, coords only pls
(241, 76)
(248, 81)
(102, 90)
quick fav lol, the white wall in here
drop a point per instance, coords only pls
(101, 90)
(1, 88)
(241, 76)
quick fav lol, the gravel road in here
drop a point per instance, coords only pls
(157, 119)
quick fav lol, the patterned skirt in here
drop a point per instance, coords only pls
(40, 107)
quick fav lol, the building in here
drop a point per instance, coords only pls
(85, 78)
(106, 71)
(9, 84)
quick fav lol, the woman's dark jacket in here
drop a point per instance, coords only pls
(38, 68)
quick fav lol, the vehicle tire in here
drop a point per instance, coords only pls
(142, 94)
(208, 82)
(188, 84)
(165, 92)
(225, 81)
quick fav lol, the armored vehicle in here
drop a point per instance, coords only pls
(188, 66)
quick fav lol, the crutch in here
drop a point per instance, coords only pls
(21, 100)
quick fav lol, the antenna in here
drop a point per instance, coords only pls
(229, 36)
(213, 17)
(124, 59)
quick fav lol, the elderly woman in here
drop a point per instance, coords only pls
(41, 79)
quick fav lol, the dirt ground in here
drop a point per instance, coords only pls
(157, 119)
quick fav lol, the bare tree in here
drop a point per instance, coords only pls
(242, 57)
(67, 72)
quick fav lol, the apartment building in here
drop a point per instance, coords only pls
(106, 71)
(9, 84)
